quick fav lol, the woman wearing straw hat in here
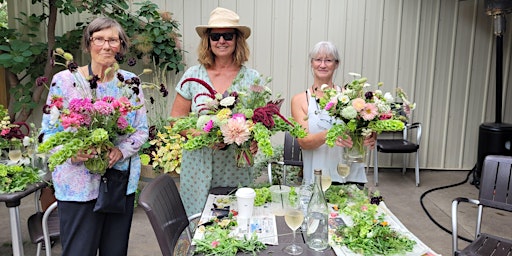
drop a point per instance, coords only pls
(222, 52)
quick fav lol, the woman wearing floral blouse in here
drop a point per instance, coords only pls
(83, 231)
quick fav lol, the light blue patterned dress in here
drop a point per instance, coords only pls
(73, 182)
(207, 168)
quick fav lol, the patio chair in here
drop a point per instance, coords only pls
(44, 226)
(404, 145)
(162, 203)
(495, 192)
(292, 156)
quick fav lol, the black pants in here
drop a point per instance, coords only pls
(84, 232)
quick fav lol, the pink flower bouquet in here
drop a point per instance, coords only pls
(237, 118)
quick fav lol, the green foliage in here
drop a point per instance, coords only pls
(369, 234)
(16, 177)
(155, 37)
(3, 16)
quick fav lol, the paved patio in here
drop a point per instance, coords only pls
(400, 194)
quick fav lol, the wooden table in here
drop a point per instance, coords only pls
(13, 201)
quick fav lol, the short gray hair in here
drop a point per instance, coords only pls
(102, 23)
(325, 47)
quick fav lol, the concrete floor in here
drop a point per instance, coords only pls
(400, 194)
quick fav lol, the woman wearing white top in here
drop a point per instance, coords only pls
(316, 154)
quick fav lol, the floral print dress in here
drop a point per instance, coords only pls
(206, 168)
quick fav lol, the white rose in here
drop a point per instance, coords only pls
(228, 101)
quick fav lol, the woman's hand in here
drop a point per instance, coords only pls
(346, 143)
(253, 147)
(370, 140)
(81, 156)
(219, 146)
(114, 155)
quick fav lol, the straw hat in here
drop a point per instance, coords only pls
(223, 18)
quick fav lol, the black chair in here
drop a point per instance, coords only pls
(44, 226)
(495, 192)
(292, 156)
(404, 145)
(162, 203)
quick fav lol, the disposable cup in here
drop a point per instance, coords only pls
(280, 195)
(245, 198)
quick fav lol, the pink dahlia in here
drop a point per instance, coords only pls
(236, 131)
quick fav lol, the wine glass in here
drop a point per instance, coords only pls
(293, 216)
(15, 152)
(326, 181)
(343, 168)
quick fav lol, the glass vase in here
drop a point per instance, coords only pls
(98, 164)
(244, 156)
(357, 153)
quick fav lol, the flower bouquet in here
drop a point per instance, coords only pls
(89, 124)
(237, 117)
(360, 112)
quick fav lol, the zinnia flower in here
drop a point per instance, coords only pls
(208, 126)
(369, 112)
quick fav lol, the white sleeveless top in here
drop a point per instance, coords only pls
(325, 157)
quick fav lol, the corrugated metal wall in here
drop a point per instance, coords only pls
(440, 51)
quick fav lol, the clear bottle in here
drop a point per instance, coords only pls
(317, 217)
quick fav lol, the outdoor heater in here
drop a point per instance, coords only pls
(495, 138)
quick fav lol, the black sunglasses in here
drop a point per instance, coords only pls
(227, 36)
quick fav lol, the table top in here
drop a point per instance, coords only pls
(14, 199)
(285, 236)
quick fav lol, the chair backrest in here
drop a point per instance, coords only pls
(162, 203)
(496, 182)
(292, 153)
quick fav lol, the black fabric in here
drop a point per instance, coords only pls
(112, 192)
(83, 231)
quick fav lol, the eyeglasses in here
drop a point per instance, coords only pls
(227, 36)
(326, 61)
(99, 41)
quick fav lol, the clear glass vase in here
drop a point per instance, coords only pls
(244, 157)
(357, 153)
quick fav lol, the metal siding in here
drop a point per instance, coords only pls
(440, 52)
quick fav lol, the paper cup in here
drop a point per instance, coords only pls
(245, 198)
(279, 199)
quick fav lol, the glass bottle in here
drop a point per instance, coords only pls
(317, 217)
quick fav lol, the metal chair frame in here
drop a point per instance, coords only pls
(44, 226)
(162, 203)
(495, 192)
(292, 155)
(402, 146)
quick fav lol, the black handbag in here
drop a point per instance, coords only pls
(112, 192)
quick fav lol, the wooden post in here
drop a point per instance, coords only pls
(4, 94)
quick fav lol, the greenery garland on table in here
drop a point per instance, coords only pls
(218, 241)
(369, 234)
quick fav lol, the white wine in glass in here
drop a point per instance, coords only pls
(293, 217)
(326, 182)
(15, 153)
(343, 169)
